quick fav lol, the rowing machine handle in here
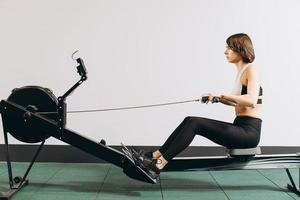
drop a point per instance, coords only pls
(204, 99)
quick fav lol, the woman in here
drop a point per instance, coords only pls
(244, 132)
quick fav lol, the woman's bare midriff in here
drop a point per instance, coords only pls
(248, 111)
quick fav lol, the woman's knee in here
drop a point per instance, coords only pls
(189, 118)
(195, 120)
(191, 123)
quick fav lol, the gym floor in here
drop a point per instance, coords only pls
(105, 181)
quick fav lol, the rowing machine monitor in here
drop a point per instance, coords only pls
(81, 69)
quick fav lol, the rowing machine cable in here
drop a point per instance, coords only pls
(126, 108)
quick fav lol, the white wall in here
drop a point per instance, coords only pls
(141, 52)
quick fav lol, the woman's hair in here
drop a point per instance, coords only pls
(242, 44)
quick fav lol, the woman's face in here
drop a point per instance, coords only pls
(232, 56)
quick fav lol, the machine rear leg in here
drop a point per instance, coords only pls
(292, 187)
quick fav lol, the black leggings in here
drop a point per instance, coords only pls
(244, 132)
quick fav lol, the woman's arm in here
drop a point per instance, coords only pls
(253, 85)
(249, 99)
(227, 102)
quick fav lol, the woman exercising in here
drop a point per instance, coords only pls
(244, 132)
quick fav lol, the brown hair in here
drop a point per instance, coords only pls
(242, 44)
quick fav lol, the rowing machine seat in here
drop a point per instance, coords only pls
(244, 152)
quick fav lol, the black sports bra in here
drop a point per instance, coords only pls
(259, 100)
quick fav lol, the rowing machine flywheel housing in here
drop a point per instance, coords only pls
(34, 99)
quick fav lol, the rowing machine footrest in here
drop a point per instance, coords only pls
(244, 152)
(135, 172)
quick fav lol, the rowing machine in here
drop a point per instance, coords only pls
(32, 114)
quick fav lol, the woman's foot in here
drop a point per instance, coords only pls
(150, 165)
(156, 154)
(153, 164)
(152, 161)
(153, 154)
(161, 162)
